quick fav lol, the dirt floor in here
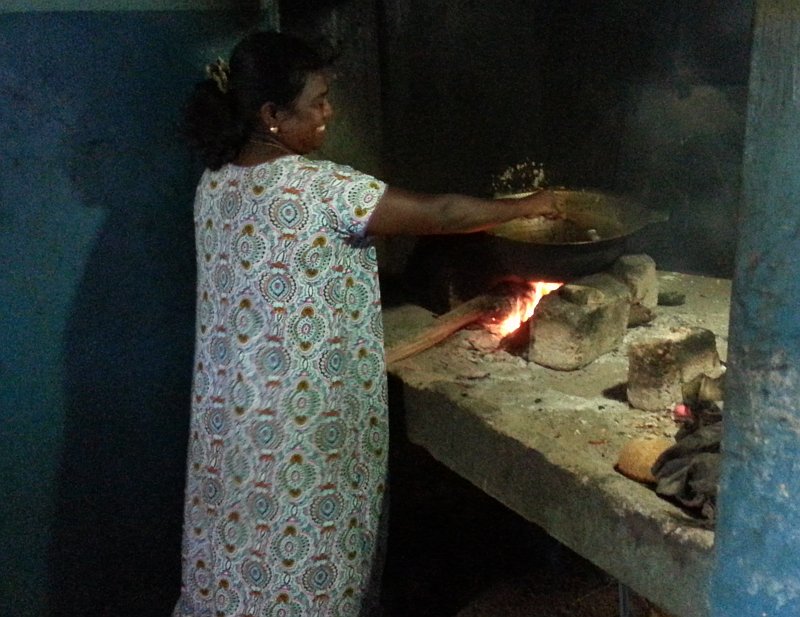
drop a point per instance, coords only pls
(456, 552)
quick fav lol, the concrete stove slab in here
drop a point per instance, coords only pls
(544, 443)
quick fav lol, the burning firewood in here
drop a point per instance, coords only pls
(492, 305)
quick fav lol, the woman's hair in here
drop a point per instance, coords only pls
(223, 110)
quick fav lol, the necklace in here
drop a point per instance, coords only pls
(270, 143)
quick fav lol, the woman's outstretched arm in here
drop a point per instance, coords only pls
(401, 212)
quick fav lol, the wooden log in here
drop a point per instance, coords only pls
(483, 306)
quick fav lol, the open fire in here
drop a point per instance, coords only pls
(585, 319)
(501, 311)
(524, 306)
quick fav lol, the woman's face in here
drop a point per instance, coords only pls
(303, 126)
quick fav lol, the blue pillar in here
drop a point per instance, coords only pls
(757, 570)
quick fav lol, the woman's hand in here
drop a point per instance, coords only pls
(546, 203)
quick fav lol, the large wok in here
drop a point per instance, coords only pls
(592, 234)
(446, 270)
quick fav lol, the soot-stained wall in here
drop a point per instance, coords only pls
(642, 100)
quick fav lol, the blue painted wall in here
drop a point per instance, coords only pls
(97, 292)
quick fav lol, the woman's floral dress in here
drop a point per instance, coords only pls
(289, 430)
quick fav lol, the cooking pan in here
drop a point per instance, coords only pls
(446, 270)
(591, 235)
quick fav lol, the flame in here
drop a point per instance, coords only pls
(525, 306)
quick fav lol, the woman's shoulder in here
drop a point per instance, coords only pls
(335, 170)
(297, 164)
(325, 178)
(212, 179)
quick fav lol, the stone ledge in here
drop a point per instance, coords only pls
(544, 444)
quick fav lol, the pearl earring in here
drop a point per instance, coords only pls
(273, 129)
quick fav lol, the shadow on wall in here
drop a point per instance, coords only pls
(128, 347)
(128, 343)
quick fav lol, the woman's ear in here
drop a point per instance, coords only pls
(269, 116)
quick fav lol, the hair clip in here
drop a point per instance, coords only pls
(219, 71)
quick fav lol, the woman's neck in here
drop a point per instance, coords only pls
(261, 149)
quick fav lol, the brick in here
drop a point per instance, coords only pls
(638, 272)
(666, 369)
(580, 322)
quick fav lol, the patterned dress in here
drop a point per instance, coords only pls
(289, 430)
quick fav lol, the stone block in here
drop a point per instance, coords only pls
(580, 322)
(664, 370)
(638, 272)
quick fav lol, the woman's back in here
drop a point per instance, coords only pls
(289, 431)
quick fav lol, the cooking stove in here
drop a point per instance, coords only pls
(544, 441)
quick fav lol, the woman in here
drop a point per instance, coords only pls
(289, 432)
